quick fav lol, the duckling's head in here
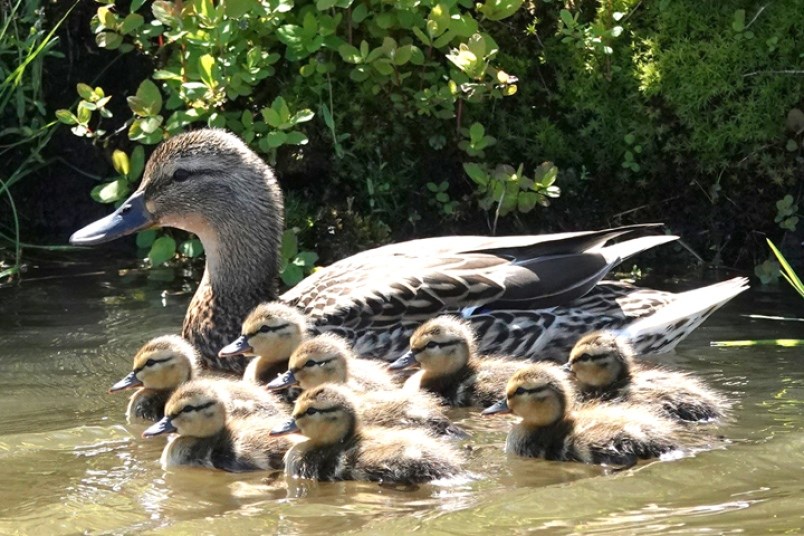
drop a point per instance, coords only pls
(272, 331)
(194, 410)
(600, 359)
(325, 414)
(322, 359)
(162, 363)
(541, 394)
(442, 346)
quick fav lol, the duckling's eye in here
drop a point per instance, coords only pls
(520, 391)
(150, 363)
(181, 175)
(432, 344)
(311, 411)
(265, 329)
(310, 363)
(585, 357)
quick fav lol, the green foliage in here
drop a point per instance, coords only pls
(295, 264)
(789, 274)
(26, 127)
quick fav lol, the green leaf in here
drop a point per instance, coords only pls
(291, 275)
(120, 162)
(360, 13)
(66, 117)
(111, 191)
(476, 132)
(323, 5)
(276, 138)
(295, 137)
(476, 173)
(500, 9)
(206, 65)
(302, 116)
(136, 4)
(235, 9)
(131, 23)
(86, 92)
(109, 40)
(567, 18)
(146, 238)
(738, 24)
(349, 53)
(162, 250)
(147, 101)
(191, 248)
(290, 244)
(308, 258)
(137, 163)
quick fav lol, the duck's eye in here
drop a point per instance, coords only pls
(264, 329)
(311, 411)
(150, 363)
(432, 344)
(585, 357)
(519, 391)
(181, 175)
(310, 363)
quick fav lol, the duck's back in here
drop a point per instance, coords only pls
(493, 373)
(601, 430)
(242, 399)
(404, 456)
(402, 409)
(680, 395)
(370, 375)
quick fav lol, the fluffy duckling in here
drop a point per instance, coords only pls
(210, 436)
(445, 349)
(554, 427)
(270, 333)
(329, 359)
(604, 369)
(339, 448)
(160, 366)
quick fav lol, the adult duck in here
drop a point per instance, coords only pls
(210, 183)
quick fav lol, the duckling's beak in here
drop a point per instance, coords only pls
(287, 427)
(162, 427)
(499, 407)
(282, 381)
(129, 381)
(567, 368)
(407, 360)
(132, 216)
(237, 347)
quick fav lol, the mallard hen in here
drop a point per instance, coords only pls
(210, 183)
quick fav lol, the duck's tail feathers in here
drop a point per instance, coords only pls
(617, 253)
(661, 331)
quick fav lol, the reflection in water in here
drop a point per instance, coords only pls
(69, 463)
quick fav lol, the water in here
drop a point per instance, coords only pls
(69, 463)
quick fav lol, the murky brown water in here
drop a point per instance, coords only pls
(70, 464)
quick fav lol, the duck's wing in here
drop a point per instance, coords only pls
(419, 279)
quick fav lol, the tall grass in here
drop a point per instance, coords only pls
(26, 126)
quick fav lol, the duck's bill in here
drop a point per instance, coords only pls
(283, 381)
(407, 360)
(128, 382)
(165, 426)
(499, 407)
(567, 367)
(237, 347)
(132, 216)
(287, 427)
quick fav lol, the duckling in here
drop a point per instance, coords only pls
(270, 334)
(329, 359)
(160, 366)
(210, 436)
(445, 349)
(604, 369)
(338, 447)
(555, 427)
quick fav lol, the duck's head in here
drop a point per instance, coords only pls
(162, 363)
(193, 410)
(599, 359)
(541, 394)
(323, 359)
(441, 346)
(272, 331)
(325, 414)
(207, 182)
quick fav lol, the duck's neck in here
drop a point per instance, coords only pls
(242, 249)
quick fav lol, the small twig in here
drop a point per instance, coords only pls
(783, 71)
(760, 10)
